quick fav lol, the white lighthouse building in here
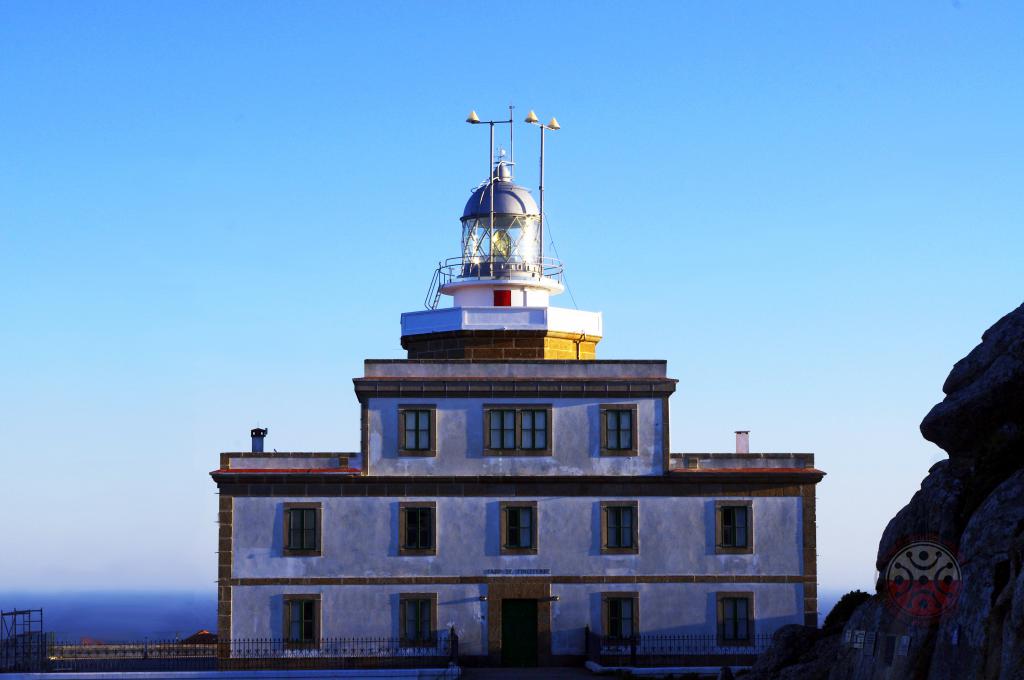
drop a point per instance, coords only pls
(513, 489)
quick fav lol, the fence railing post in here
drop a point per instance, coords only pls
(453, 646)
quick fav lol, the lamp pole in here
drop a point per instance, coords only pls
(473, 119)
(552, 124)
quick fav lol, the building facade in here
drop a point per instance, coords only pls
(512, 487)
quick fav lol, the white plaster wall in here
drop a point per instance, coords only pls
(575, 432)
(360, 538)
(669, 608)
(277, 462)
(488, 317)
(372, 611)
(359, 611)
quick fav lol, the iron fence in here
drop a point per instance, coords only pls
(254, 654)
(650, 649)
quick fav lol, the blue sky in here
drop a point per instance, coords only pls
(211, 213)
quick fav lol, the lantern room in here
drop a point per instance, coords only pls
(501, 282)
(501, 229)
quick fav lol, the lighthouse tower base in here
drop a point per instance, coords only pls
(483, 333)
(507, 344)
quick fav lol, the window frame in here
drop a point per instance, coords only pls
(286, 525)
(606, 597)
(517, 449)
(634, 449)
(520, 429)
(431, 599)
(503, 508)
(431, 449)
(403, 526)
(287, 601)
(720, 547)
(605, 548)
(488, 444)
(720, 599)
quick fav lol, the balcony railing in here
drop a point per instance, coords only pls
(652, 649)
(250, 654)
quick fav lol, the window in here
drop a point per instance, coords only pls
(519, 528)
(621, 614)
(618, 430)
(417, 618)
(417, 430)
(517, 431)
(302, 620)
(735, 618)
(734, 527)
(503, 429)
(534, 427)
(619, 527)
(302, 529)
(416, 529)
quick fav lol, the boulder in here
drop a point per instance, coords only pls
(981, 420)
(935, 511)
(982, 637)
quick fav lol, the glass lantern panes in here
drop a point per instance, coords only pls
(511, 248)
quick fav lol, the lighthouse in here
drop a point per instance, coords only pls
(500, 284)
(514, 500)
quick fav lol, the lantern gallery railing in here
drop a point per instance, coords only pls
(462, 268)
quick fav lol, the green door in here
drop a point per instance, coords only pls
(519, 632)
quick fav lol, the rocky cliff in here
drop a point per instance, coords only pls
(974, 503)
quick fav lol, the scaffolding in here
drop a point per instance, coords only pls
(22, 640)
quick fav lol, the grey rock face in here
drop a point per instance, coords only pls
(935, 510)
(797, 653)
(870, 646)
(982, 637)
(982, 416)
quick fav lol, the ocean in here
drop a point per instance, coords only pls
(114, 616)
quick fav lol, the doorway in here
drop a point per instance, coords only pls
(519, 633)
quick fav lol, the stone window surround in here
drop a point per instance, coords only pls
(635, 549)
(286, 525)
(721, 549)
(431, 450)
(286, 600)
(410, 552)
(634, 449)
(518, 408)
(503, 507)
(719, 617)
(619, 595)
(402, 598)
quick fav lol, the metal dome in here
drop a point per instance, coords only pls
(509, 198)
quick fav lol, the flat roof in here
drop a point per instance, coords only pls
(516, 368)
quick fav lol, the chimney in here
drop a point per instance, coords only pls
(742, 441)
(258, 433)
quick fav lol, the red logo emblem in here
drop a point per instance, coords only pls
(922, 580)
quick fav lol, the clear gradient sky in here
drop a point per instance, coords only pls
(211, 213)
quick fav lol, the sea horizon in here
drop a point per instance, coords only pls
(109, 615)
